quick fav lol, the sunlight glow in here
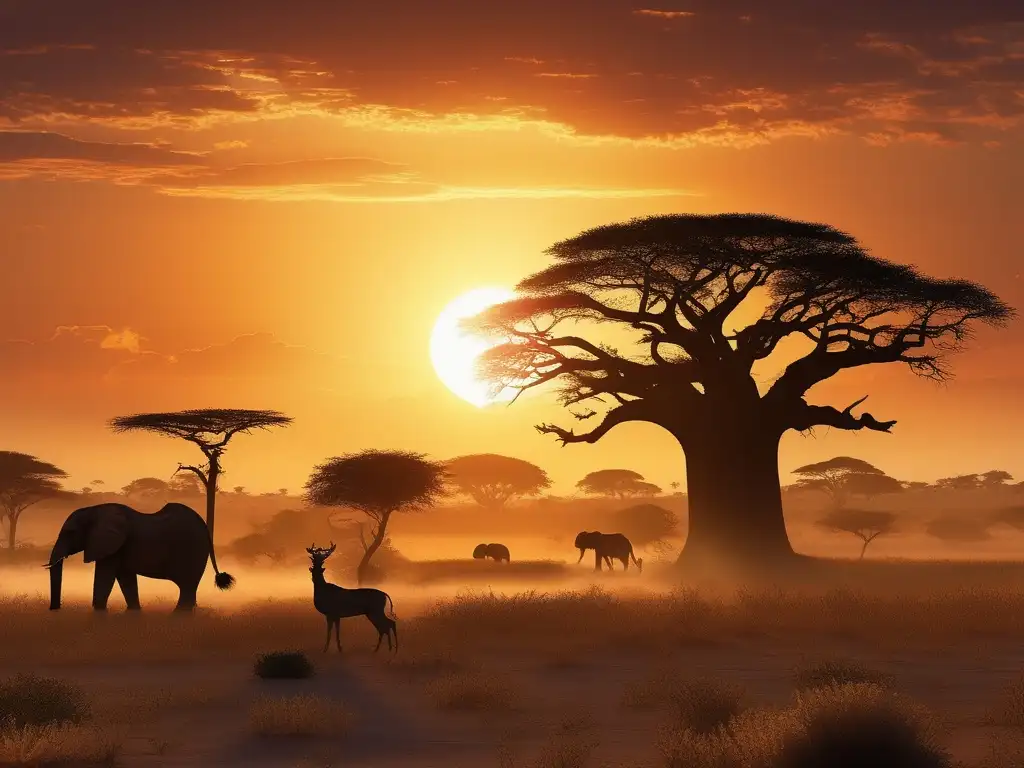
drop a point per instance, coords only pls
(454, 352)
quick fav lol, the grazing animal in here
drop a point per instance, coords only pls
(172, 544)
(337, 603)
(496, 552)
(607, 546)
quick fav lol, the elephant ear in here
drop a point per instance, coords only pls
(107, 534)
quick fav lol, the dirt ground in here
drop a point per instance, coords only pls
(558, 674)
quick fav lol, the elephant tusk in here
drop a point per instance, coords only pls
(50, 565)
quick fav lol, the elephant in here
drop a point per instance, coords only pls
(496, 552)
(607, 546)
(173, 544)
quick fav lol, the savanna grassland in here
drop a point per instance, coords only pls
(539, 664)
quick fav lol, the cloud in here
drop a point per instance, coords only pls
(720, 72)
(80, 355)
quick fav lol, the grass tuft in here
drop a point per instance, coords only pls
(301, 715)
(283, 665)
(56, 744)
(832, 672)
(28, 699)
(472, 690)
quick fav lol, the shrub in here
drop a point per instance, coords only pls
(283, 665)
(705, 705)
(832, 672)
(27, 699)
(472, 691)
(302, 715)
(62, 744)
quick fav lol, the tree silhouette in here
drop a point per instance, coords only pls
(492, 480)
(619, 483)
(867, 525)
(959, 483)
(211, 430)
(645, 523)
(378, 484)
(870, 486)
(959, 529)
(146, 487)
(24, 481)
(675, 282)
(996, 478)
(185, 485)
(915, 485)
(833, 476)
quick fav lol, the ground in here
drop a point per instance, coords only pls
(577, 671)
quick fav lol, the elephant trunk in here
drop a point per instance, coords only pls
(56, 579)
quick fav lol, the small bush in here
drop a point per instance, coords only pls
(283, 665)
(834, 672)
(302, 715)
(55, 744)
(472, 691)
(705, 705)
(27, 699)
(861, 724)
(1009, 709)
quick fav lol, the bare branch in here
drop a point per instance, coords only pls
(807, 416)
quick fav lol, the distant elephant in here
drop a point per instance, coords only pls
(171, 544)
(607, 546)
(496, 552)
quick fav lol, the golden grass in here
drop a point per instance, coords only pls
(57, 744)
(473, 691)
(299, 715)
(837, 671)
(565, 622)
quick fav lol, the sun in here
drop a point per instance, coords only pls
(454, 352)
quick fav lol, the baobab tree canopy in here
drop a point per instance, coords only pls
(675, 284)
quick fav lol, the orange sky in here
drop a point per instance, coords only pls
(228, 204)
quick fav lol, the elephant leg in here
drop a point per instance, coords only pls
(337, 634)
(102, 584)
(330, 626)
(597, 560)
(129, 585)
(186, 597)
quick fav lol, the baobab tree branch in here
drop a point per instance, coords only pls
(633, 411)
(807, 416)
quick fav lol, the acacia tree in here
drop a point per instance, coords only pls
(675, 282)
(211, 430)
(378, 484)
(959, 483)
(866, 524)
(619, 483)
(24, 481)
(146, 487)
(834, 476)
(492, 480)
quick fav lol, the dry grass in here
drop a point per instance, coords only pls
(473, 691)
(1008, 711)
(300, 715)
(571, 745)
(837, 671)
(858, 724)
(699, 704)
(57, 744)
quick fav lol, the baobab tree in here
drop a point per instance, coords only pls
(25, 481)
(211, 430)
(675, 283)
(378, 484)
(492, 480)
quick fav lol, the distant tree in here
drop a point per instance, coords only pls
(378, 484)
(146, 487)
(182, 484)
(25, 481)
(959, 483)
(86, 489)
(282, 491)
(645, 523)
(676, 284)
(239, 490)
(618, 483)
(870, 486)
(1012, 516)
(996, 478)
(964, 529)
(492, 480)
(916, 485)
(211, 430)
(675, 489)
(832, 476)
(866, 524)
(96, 482)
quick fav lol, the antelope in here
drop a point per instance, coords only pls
(337, 603)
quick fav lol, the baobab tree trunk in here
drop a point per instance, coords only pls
(374, 545)
(735, 501)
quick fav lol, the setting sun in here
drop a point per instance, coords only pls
(454, 352)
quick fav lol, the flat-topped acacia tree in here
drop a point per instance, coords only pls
(211, 429)
(675, 283)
